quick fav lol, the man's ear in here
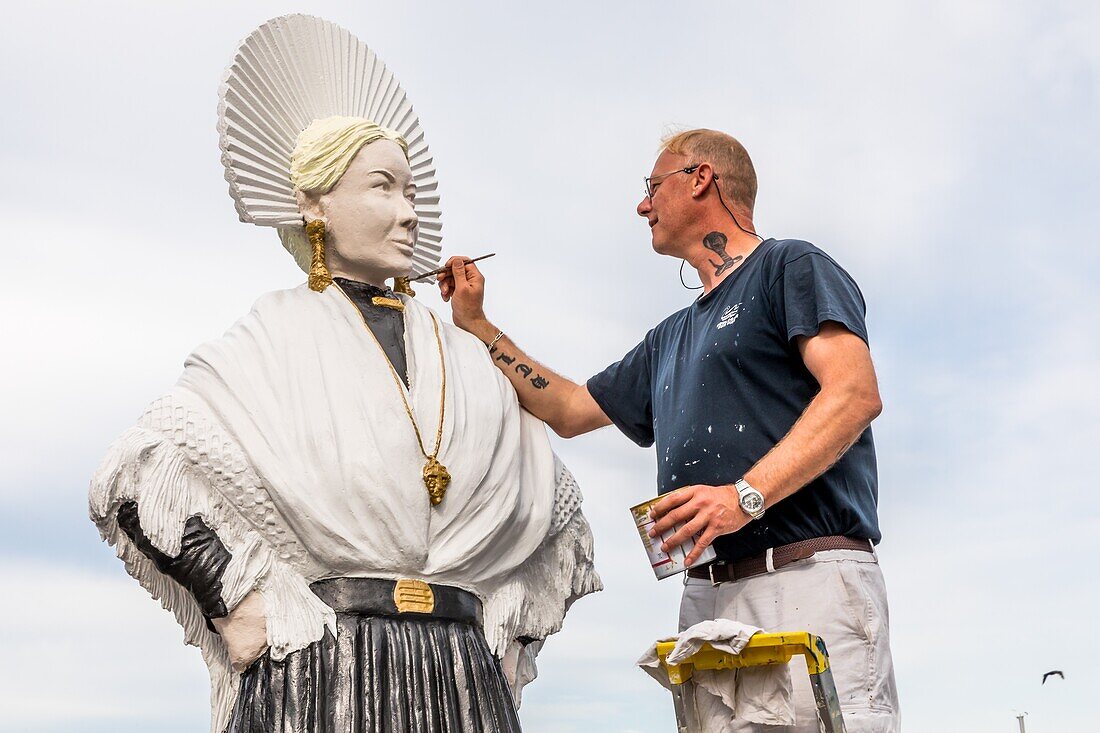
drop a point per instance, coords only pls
(702, 179)
(309, 205)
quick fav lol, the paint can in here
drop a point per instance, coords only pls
(671, 563)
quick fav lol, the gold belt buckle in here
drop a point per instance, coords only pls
(413, 596)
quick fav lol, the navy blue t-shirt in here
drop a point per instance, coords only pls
(719, 383)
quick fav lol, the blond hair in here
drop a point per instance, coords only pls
(728, 157)
(322, 155)
(325, 149)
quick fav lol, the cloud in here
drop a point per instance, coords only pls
(945, 154)
(84, 650)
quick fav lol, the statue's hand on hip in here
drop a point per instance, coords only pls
(244, 631)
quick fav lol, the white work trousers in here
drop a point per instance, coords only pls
(838, 595)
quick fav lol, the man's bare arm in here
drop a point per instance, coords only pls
(834, 420)
(846, 404)
(561, 403)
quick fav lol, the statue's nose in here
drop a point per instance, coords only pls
(408, 217)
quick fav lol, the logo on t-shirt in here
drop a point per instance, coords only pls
(729, 315)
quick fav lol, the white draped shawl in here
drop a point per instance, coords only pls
(289, 436)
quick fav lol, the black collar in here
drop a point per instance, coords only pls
(364, 293)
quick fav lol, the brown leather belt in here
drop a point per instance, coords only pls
(725, 572)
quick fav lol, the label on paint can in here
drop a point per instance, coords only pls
(671, 563)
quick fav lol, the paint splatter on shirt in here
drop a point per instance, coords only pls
(719, 383)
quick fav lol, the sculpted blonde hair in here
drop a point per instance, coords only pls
(321, 156)
(736, 175)
(326, 148)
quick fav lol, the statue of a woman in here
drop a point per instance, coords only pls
(341, 500)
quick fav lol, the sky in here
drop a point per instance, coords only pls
(944, 153)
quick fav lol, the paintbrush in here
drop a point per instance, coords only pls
(447, 269)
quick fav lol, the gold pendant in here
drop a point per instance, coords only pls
(437, 479)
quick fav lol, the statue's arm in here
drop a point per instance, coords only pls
(199, 567)
(194, 524)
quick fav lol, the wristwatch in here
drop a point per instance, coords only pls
(751, 500)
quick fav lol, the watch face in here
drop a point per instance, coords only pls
(752, 502)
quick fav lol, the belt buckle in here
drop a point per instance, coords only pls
(413, 596)
(710, 572)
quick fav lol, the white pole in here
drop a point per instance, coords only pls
(1020, 718)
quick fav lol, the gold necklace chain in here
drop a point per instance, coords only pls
(435, 474)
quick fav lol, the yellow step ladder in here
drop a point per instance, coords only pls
(762, 649)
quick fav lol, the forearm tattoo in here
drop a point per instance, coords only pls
(538, 381)
(716, 243)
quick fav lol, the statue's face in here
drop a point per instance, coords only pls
(370, 223)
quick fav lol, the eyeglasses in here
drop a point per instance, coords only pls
(651, 187)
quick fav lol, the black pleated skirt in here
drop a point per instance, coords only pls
(381, 674)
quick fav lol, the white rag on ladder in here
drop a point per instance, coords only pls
(754, 694)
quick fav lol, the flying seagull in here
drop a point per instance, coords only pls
(1053, 672)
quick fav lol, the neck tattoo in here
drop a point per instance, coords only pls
(716, 243)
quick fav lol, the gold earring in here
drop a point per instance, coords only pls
(319, 277)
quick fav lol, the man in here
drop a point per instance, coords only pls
(759, 396)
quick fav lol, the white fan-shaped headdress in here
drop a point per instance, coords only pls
(293, 70)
